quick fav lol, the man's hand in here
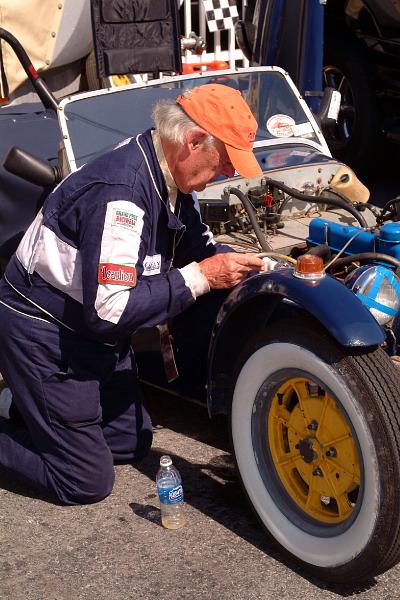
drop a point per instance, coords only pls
(228, 269)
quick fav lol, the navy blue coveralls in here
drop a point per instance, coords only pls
(103, 258)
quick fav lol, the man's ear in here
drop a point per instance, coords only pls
(195, 137)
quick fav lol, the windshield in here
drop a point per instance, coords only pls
(101, 120)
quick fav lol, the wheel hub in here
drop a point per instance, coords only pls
(313, 450)
(306, 449)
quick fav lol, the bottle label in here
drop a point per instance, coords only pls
(171, 495)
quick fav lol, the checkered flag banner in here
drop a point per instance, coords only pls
(220, 14)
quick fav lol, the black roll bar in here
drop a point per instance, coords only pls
(38, 83)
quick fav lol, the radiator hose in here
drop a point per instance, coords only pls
(253, 219)
(366, 257)
(337, 202)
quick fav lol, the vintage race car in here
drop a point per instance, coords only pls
(300, 357)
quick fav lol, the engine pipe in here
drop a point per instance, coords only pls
(366, 257)
(253, 219)
(38, 83)
(319, 200)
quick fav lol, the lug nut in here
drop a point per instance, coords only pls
(313, 426)
(317, 472)
(332, 452)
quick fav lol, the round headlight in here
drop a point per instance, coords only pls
(378, 288)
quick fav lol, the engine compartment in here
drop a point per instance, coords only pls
(355, 242)
(277, 210)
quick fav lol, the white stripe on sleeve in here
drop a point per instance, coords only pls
(54, 260)
(120, 244)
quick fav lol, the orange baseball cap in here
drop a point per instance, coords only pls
(222, 111)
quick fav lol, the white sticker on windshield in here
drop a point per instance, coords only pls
(302, 129)
(280, 125)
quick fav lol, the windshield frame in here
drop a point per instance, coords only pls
(322, 145)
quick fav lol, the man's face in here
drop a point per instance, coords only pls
(202, 163)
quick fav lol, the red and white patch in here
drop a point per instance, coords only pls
(116, 274)
(124, 218)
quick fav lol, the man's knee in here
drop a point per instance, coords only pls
(89, 487)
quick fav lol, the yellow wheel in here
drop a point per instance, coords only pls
(313, 450)
(315, 431)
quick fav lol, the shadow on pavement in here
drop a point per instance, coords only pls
(211, 487)
(10, 484)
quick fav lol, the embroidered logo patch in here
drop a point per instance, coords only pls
(152, 265)
(116, 274)
(123, 218)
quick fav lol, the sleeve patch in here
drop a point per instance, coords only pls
(124, 218)
(110, 273)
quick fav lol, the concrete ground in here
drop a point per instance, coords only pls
(117, 549)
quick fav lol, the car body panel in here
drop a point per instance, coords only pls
(36, 130)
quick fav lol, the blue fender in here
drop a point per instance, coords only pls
(330, 302)
(335, 306)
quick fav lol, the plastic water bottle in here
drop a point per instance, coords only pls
(170, 493)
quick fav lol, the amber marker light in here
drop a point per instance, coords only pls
(309, 267)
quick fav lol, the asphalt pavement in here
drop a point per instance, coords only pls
(118, 550)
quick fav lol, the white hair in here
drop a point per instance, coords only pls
(173, 124)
